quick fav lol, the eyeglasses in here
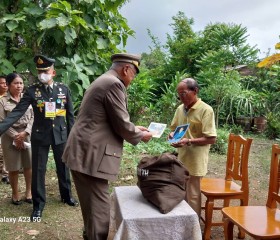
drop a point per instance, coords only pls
(183, 94)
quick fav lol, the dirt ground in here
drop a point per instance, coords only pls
(61, 222)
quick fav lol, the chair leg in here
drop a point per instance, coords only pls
(226, 202)
(241, 233)
(209, 205)
(228, 229)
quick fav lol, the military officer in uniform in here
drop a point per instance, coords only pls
(50, 128)
(94, 148)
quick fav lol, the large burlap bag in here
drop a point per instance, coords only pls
(162, 180)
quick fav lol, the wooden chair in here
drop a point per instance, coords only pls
(234, 186)
(260, 222)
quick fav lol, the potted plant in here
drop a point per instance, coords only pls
(244, 109)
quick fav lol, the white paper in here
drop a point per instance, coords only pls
(157, 129)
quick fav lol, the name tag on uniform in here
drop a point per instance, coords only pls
(61, 112)
(50, 109)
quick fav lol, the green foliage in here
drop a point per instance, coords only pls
(140, 95)
(155, 147)
(232, 39)
(222, 84)
(168, 102)
(220, 146)
(233, 128)
(80, 35)
(183, 46)
(273, 125)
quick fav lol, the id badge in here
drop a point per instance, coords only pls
(61, 112)
(50, 110)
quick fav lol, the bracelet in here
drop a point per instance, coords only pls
(189, 143)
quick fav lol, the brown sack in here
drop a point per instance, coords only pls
(162, 180)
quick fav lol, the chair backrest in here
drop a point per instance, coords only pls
(274, 180)
(237, 159)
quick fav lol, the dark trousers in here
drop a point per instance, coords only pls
(39, 165)
(94, 200)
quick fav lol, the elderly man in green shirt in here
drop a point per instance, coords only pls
(193, 148)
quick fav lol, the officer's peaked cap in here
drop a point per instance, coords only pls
(125, 57)
(43, 62)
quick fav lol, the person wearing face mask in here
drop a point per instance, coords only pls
(50, 129)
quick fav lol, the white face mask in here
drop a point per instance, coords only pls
(44, 77)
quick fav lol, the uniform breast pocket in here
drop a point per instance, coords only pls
(110, 162)
(63, 133)
(38, 134)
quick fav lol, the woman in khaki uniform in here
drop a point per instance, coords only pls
(16, 140)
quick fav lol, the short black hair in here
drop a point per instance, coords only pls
(2, 76)
(11, 77)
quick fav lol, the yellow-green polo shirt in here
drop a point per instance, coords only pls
(202, 124)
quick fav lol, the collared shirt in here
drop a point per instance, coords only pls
(7, 104)
(51, 85)
(202, 124)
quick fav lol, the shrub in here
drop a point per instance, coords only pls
(220, 146)
(273, 126)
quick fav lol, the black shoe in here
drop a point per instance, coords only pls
(85, 235)
(16, 202)
(36, 216)
(28, 200)
(71, 202)
(5, 180)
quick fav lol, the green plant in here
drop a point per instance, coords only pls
(245, 102)
(273, 125)
(220, 146)
(80, 35)
(260, 104)
(233, 128)
(140, 94)
(168, 102)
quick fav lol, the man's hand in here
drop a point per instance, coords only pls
(142, 128)
(146, 136)
(181, 143)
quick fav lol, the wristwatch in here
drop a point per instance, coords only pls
(189, 143)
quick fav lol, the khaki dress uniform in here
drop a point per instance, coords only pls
(3, 170)
(15, 159)
(94, 149)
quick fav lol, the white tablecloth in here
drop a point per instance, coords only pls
(135, 218)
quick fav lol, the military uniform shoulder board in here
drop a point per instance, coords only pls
(35, 84)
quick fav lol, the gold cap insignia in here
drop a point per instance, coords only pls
(40, 61)
(135, 63)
